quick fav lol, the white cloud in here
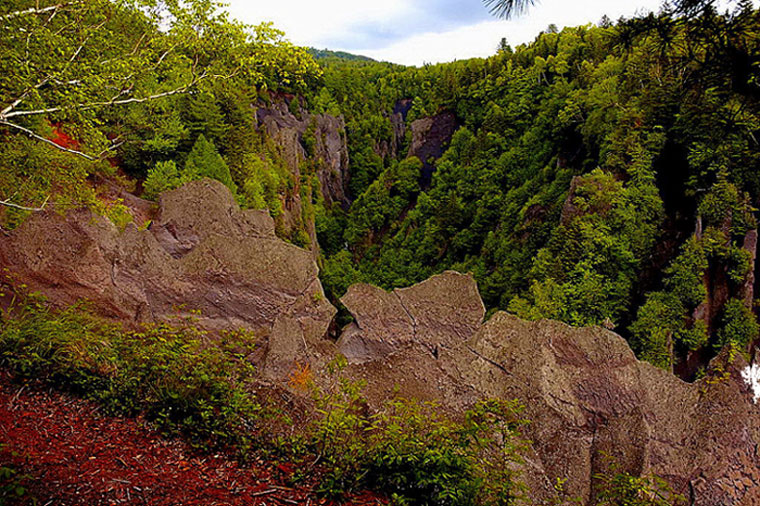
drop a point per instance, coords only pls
(309, 23)
(413, 32)
(481, 39)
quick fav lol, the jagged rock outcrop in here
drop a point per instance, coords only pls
(719, 289)
(430, 138)
(201, 253)
(584, 391)
(329, 152)
(441, 312)
(586, 394)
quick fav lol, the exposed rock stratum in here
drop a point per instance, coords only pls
(200, 254)
(584, 391)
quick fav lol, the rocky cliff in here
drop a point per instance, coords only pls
(584, 391)
(309, 143)
(202, 257)
(430, 138)
(586, 394)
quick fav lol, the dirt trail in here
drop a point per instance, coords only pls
(74, 455)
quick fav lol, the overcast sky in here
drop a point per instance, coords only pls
(413, 32)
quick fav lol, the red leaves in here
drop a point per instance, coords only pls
(80, 457)
(287, 469)
(62, 138)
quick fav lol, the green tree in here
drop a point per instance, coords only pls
(164, 176)
(205, 161)
(96, 71)
(203, 116)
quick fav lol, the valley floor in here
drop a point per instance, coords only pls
(71, 454)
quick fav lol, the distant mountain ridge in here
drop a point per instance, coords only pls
(320, 54)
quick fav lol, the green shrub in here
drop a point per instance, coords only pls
(163, 177)
(118, 213)
(12, 489)
(205, 161)
(620, 488)
(423, 457)
(738, 325)
(173, 374)
(309, 139)
(414, 453)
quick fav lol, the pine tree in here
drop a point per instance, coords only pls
(204, 117)
(205, 161)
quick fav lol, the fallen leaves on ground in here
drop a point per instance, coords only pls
(72, 455)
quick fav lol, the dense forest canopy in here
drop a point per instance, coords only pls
(600, 175)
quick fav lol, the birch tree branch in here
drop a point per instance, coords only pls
(24, 208)
(32, 134)
(93, 105)
(24, 95)
(34, 10)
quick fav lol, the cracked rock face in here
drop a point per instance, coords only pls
(329, 155)
(441, 312)
(330, 149)
(200, 253)
(584, 391)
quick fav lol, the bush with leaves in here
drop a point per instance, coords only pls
(12, 489)
(163, 177)
(176, 375)
(738, 326)
(413, 452)
(205, 161)
(620, 488)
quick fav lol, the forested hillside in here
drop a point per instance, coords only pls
(254, 246)
(601, 175)
(146, 95)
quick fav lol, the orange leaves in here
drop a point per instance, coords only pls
(301, 377)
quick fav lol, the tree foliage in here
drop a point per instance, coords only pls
(583, 162)
(133, 81)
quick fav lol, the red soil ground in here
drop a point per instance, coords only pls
(75, 456)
